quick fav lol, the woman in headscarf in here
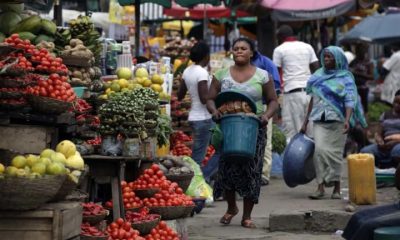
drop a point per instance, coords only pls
(334, 105)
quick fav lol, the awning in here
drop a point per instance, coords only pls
(296, 10)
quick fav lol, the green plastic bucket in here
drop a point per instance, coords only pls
(240, 136)
(387, 233)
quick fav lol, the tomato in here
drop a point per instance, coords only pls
(120, 221)
(126, 226)
(43, 92)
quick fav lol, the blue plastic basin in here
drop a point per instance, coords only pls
(239, 136)
(79, 91)
(387, 233)
(298, 165)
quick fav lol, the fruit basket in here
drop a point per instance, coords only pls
(95, 219)
(87, 237)
(12, 95)
(144, 227)
(48, 105)
(182, 180)
(173, 212)
(79, 61)
(69, 185)
(146, 193)
(26, 193)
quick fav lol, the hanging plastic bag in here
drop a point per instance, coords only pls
(216, 137)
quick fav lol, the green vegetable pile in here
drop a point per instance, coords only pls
(131, 113)
(278, 140)
(375, 111)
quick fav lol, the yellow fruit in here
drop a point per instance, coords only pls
(108, 90)
(45, 161)
(124, 72)
(156, 87)
(75, 162)
(141, 72)
(46, 153)
(21, 173)
(177, 63)
(18, 161)
(115, 87)
(103, 97)
(11, 171)
(31, 159)
(157, 79)
(141, 80)
(58, 157)
(2, 168)
(123, 83)
(110, 93)
(55, 169)
(39, 168)
(67, 148)
(147, 83)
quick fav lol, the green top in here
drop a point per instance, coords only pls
(251, 87)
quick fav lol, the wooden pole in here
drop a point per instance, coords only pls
(137, 27)
(58, 13)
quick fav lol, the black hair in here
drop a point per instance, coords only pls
(397, 93)
(247, 40)
(199, 51)
(285, 31)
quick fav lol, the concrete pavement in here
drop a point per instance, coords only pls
(278, 208)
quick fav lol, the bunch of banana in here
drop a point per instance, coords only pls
(81, 25)
(62, 38)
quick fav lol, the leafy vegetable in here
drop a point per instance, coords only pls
(375, 110)
(164, 129)
(278, 140)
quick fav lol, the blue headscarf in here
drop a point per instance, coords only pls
(337, 86)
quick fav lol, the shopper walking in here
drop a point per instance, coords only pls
(243, 177)
(268, 65)
(334, 105)
(196, 80)
(391, 69)
(296, 60)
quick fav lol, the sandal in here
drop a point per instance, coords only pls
(248, 223)
(317, 195)
(226, 219)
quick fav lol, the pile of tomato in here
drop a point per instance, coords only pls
(180, 136)
(122, 230)
(162, 232)
(56, 87)
(151, 178)
(180, 149)
(129, 198)
(92, 231)
(210, 152)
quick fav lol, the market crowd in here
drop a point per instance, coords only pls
(325, 96)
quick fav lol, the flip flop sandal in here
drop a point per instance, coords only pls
(336, 196)
(227, 218)
(317, 195)
(248, 223)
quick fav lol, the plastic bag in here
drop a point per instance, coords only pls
(111, 146)
(216, 137)
(198, 186)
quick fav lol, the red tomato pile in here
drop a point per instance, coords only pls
(95, 141)
(122, 230)
(209, 154)
(13, 90)
(15, 41)
(128, 197)
(180, 149)
(180, 136)
(19, 101)
(56, 87)
(141, 216)
(90, 209)
(162, 232)
(151, 178)
(88, 230)
(23, 63)
(81, 106)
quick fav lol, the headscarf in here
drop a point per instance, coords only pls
(337, 86)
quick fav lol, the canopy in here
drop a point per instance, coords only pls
(379, 28)
(296, 10)
(201, 10)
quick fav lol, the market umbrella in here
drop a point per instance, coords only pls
(202, 10)
(295, 10)
(379, 28)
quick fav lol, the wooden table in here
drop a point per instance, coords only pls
(114, 168)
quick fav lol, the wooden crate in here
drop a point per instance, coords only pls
(26, 138)
(55, 221)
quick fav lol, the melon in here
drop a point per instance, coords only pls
(8, 20)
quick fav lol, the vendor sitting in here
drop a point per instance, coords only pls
(387, 147)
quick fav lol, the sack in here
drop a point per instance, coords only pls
(216, 137)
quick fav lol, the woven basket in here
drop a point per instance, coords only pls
(8, 106)
(11, 83)
(95, 219)
(171, 213)
(48, 105)
(11, 95)
(26, 194)
(86, 237)
(145, 227)
(66, 188)
(70, 60)
(183, 181)
(146, 193)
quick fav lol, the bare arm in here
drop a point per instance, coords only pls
(314, 66)
(271, 100)
(215, 88)
(202, 89)
(346, 127)
(310, 107)
(182, 90)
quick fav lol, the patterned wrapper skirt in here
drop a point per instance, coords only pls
(243, 177)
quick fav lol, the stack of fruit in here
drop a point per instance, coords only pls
(33, 28)
(180, 111)
(162, 231)
(129, 198)
(65, 160)
(55, 87)
(178, 47)
(88, 232)
(122, 230)
(209, 154)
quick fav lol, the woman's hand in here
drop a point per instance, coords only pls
(216, 115)
(264, 120)
(379, 140)
(394, 137)
(346, 127)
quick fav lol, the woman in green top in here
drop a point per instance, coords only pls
(245, 177)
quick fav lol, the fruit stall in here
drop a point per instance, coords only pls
(83, 155)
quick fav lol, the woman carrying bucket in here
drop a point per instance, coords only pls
(334, 105)
(244, 176)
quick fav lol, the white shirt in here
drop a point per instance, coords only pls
(294, 57)
(192, 76)
(392, 80)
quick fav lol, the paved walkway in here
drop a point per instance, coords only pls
(275, 198)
